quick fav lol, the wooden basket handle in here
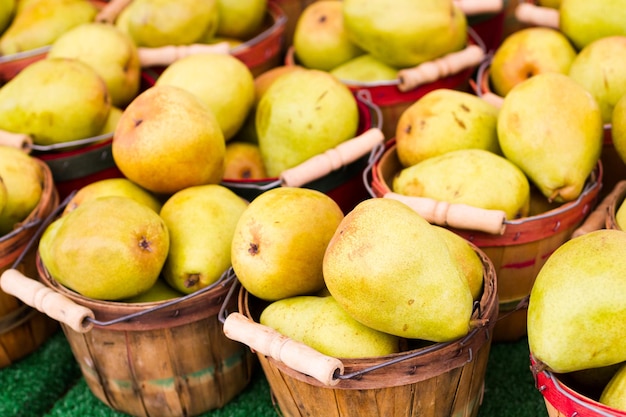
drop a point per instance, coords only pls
(460, 216)
(111, 10)
(16, 140)
(46, 300)
(271, 343)
(449, 64)
(474, 7)
(333, 159)
(537, 15)
(165, 55)
(596, 220)
(492, 98)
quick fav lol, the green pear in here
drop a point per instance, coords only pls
(115, 59)
(155, 23)
(280, 239)
(115, 113)
(618, 128)
(36, 25)
(551, 127)
(222, 81)
(120, 258)
(405, 33)
(555, 4)
(160, 291)
(201, 221)
(243, 161)
(614, 394)
(586, 21)
(55, 100)
(320, 40)
(22, 180)
(303, 114)
(113, 186)
(144, 148)
(321, 323)
(475, 177)
(7, 12)
(576, 306)
(240, 19)
(445, 120)
(365, 69)
(599, 68)
(392, 271)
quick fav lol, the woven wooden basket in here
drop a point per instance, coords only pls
(22, 328)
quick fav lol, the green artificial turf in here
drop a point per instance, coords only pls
(48, 383)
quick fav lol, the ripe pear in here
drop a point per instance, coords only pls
(120, 258)
(614, 394)
(280, 239)
(405, 33)
(113, 186)
(112, 120)
(243, 161)
(36, 25)
(303, 114)
(320, 40)
(321, 323)
(576, 310)
(445, 120)
(586, 21)
(240, 19)
(618, 128)
(7, 12)
(4, 196)
(22, 180)
(115, 59)
(160, 291)
(551, 127)
(168, 139)
(392, 271)
(365, 69)
(475, 177)
(222, 81)
(201, 221)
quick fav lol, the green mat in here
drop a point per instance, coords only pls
(48, 382)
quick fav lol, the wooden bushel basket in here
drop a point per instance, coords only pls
(518, 248)
(439, 380)
(23, 329)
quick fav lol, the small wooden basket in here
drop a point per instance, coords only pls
(22, 328)
(441, 379)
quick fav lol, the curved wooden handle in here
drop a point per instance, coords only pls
(165, 55)
(46, 300)
(16, 140)
(296, 355)
(333, 159)
(111, 10)
(474, 7)
(449, 64)
(537, 15)
(460, 216)
(596, 220)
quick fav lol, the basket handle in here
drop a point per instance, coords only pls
(165, 55)
(596, 220)
(532, 14)
(111, 10)
(460, 216)
(474, 7)
(46, 300)
(333, 159)
(296, 355)
(16, 140)
(449, 64)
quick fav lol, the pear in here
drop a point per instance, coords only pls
(320, 40)
(222, 81)
(303, 114)
(365, 69)
(55, 100)
(321, 323)
(551, 127)
(115, 59)
(392, 271)
(113, 186)
(243, 161)
(4, 196)
(115, 113)
(42, 22)
(7, 12)
(240, 19)
(168, 139)
(586, 21)
(618, 128)
(445, 120)
(201, 221)
(620, 216)
(405, 33)
(475, 177)
(160, 291)
(614, 394)
(120, 258)
(22, 180)
(576, 309)
(280, 239)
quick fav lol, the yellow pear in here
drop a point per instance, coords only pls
(112, 120)
(392, 271)
(243, 161)
(119, 258)
(160, 291)
(614, 394)
(620, 216)
(240, 19)
(618, 128)
(280, 239)
(201, 221)
(168, 139)
(3, 195)
(475, 177)
(365, 69)
(7, 12)
(321, 323)
(586, 21)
